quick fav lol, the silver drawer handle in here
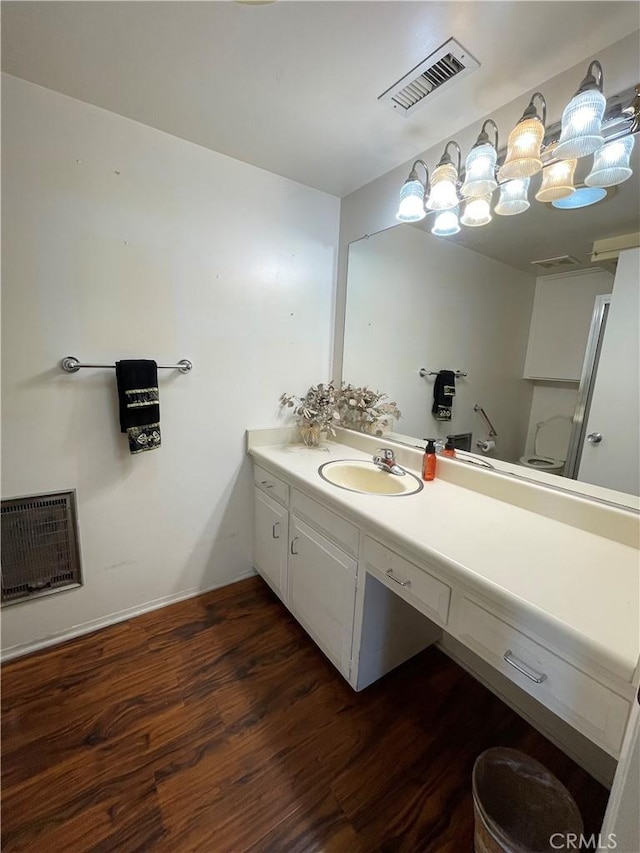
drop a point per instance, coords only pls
(273, 530)
(267, 484)
(293, 542)
(389, 573)
(538, 677)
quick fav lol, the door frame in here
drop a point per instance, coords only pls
(587, 382)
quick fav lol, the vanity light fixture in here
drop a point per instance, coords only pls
(514, 197)
(557, 180)
(411, 207)
(477, 211)
(480, 168)
(444, 194)
(611, 163)
(446, 224)
(582, 197)
(525, 142)
(582, 117)
(531, 148)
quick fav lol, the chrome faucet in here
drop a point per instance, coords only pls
(385, 459)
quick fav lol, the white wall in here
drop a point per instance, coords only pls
(415, 301)
(120, 241)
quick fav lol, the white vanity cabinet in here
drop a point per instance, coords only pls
(370, 602)
(271, 530)
(307, 555)
(322, 591)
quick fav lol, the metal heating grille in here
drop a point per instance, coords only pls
(40, 552)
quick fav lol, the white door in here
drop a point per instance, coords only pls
(611, 451)
(270, 537)
(322, 589)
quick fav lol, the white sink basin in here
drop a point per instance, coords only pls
(366, 478)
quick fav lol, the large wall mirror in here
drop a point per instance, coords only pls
(528, 336)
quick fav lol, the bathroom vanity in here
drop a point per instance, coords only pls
(533, 591)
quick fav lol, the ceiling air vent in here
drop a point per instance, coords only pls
(434, 74)
(559, 263)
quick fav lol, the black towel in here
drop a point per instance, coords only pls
(444, 390)
(139, 403)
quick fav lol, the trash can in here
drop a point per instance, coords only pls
(519, 806)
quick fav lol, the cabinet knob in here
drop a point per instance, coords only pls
(275, 530)
(594, 437)
(293, 546)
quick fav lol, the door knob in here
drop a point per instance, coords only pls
(594, 437)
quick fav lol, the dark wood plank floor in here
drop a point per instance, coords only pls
(217, 725)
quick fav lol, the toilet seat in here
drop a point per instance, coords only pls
(550, 445)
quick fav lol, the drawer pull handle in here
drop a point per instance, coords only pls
(293, 542)
(389, 573)
(275, 527)
(530, 673)
(267, 484)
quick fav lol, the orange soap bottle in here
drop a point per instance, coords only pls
(429, 461)
(449, 448)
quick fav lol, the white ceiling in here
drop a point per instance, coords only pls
(292, 87)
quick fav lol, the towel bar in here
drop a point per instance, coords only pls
(71, 365)
(424, 372)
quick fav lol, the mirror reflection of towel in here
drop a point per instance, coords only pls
(444, 390)
(139, 403)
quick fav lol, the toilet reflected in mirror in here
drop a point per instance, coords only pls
(551, 442)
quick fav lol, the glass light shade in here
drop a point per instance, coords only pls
(443, 195)
(582, 197)
(513, 197)
(411, 207)
(557, 181)
(523, 150)
(477, 211)
(611, 163)
(581, 121)
(480, 169)
(446, 223)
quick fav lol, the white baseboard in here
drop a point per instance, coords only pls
(22, 649)
(580, 749)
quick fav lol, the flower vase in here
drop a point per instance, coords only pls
(310, 434)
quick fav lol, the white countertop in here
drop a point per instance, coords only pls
(567, 584)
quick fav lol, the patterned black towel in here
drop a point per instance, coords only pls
(444, 390)
(139, 403)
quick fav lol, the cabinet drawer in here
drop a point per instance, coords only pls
(271, 485)
(344, 534)
(579, 699)
(430, 595)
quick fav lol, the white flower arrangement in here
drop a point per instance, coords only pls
(324, 407)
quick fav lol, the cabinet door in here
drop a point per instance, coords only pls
(270, 537)
(322, 587)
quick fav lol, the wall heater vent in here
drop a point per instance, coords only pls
(40, 552)
(559, 263)
(434, 74)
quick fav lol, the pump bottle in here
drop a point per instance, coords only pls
(429, 461)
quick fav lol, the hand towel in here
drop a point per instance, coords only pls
(139, 403)
(444, 390)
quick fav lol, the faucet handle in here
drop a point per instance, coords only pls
(387, 453)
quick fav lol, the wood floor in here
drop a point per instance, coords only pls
(217, 725)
